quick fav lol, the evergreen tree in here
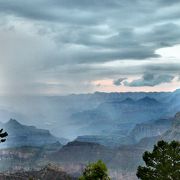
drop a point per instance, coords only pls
(95, 171)
(163, 163)
(3, 135)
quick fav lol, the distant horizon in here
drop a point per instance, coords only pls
(84, 93)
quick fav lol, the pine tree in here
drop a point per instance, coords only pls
(3, 135)
(163, 163)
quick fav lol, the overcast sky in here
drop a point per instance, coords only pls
(80, 46)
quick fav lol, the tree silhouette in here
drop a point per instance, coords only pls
(95, 171)
(163, 163)
(3, 135)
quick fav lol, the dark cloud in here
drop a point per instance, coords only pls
(80, 23)
(163, 35)
(172, 68)
(150, 80)
(72, 40)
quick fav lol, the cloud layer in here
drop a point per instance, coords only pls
(150, 80)
(50, 46)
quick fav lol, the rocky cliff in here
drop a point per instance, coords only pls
(174, 132)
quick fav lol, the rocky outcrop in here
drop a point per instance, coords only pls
(81, 152)
(174, 132)
(47, 173)
(156, 128)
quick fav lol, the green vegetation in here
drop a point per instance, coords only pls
(163, 163)
(3, 135)
(95, 171)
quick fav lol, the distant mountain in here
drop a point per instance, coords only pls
(96, 113)
(123, 122)
(139, 132)
(148, 101)
(127, 101)
(110, 117)
(22, 135)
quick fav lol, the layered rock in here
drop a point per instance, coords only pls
(174, 132)
(47, 173)
(156, 128)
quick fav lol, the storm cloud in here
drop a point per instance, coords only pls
(150, 80)
(49, 46)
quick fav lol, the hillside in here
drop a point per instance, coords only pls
(22, 135)
(140, 131)
(173, 133)
(113, 117)
(155, 128)
(47, 173)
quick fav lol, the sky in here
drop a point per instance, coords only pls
(54, 47)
